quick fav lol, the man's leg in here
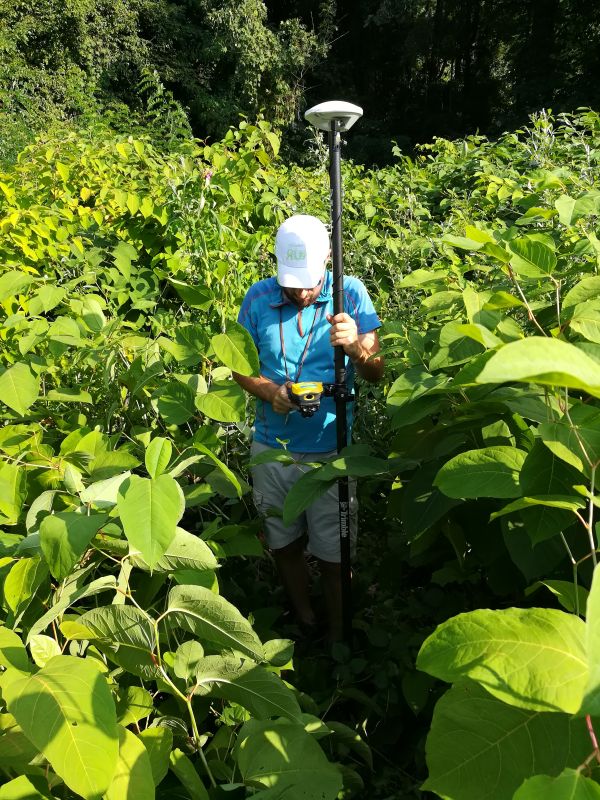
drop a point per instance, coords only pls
(271, 483)
(293, 571)
(331, 579)
(324, 543)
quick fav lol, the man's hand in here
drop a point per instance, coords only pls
(344, 332)
(280, 400)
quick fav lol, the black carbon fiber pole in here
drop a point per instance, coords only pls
(341, 401)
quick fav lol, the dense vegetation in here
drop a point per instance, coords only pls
(440, 67)
(139, 620)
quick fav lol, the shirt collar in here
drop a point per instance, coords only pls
(324, 294)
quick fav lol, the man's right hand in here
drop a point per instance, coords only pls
(280, 401)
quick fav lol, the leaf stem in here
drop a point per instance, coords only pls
(590, 522)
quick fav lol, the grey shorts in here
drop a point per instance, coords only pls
(271, 483)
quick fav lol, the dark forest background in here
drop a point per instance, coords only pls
(419, 68)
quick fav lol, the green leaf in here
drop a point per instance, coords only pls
(489, 472)
(569, 785)
(530, 658)
(474, 734)
(539, 359)
(158, 455)
(586, 289)
(212, 619)
(21, 788)
(13, 490)
(571, 597)
(132, 779)
(231, 477)
(174, 402)
(125, 633)
(285, 757)
(13, 282)
(591, 701)
(19, 388)
(225, 402)
(236, 349)
(43, 648)
(158, 743)
(107, 582)
(183, 768)
(65, 395)
(65, 537)
(12, 651)
(303, 494)
(104, 494)
(66, 710)
(254, 687)
(194, 296)
(187, 657)
(134, 704)
(575, 438)
(22, 582)
(150, 510)
(185, 551)
(585, 320)
(531, 258)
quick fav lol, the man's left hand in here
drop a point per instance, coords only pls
(344, 333)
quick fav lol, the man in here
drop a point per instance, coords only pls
(291, 321)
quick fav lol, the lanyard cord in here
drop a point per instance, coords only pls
(306, 346)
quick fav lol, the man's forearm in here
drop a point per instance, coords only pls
(371, 369)
(260, 387)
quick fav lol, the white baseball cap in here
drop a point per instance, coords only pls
(301, 249)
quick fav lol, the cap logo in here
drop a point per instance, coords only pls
(296, 254)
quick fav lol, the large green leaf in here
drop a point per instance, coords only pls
(19, 388)
(158, 742)
(225, 402)
(569, 785)
(184, 551)
(134, 703)
(64, 538)
(489, 472)
(575, 438)
(480, 748)
(585, 320)
(591, 701)
(213, 620)
(531, 658)
(13, 490)
(550, 362)
(236, 349)
(125, 633)
(22, 582)
(13, 282)
(185, 771)
(251, 686)
(285, 757)
(174, 402)
(132, 779)
(303, 494)
(66, 710)
(531, 258)
(22, 788)
(12, 651)
(157, 456)
(150, 510)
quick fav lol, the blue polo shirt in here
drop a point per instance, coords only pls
(270, 317)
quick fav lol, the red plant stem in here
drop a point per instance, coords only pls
(592, 734)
